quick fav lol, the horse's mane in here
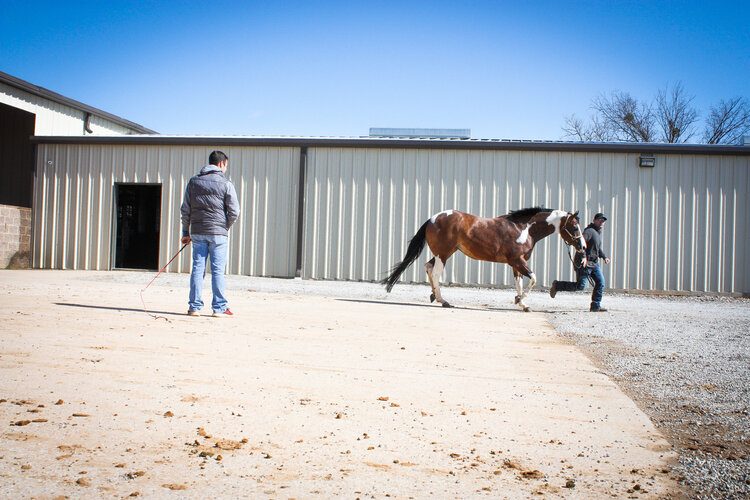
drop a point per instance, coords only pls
(525, 214)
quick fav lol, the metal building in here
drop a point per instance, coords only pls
(26, 110)
(345, 208)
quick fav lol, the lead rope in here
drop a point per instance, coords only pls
(589, 278)
(156, 316)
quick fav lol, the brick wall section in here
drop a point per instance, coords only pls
(15, 237)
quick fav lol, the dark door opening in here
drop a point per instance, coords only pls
(138, 209)
(16, 156)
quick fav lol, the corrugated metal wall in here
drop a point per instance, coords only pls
(682, 225)
(74, 204)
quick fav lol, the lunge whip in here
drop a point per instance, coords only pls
(155, 316)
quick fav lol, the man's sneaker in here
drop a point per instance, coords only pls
(553, 289)
(193, 313)
(225, 314)
(597, 309)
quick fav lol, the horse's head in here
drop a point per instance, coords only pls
(570, 230)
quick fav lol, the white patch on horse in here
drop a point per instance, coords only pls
(437, 270)
(555, 217)
(524, 236)
(446, 212)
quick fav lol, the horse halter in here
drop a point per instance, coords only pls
(573, 236)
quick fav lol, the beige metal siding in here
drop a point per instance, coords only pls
(73, 204)
(264, 241)
(680, 226)
(53, 118)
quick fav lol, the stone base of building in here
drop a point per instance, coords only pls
(15, 237)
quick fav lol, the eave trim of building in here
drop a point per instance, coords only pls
(54, 96)
(389, 143)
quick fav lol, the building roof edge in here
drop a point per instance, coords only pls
(54, 96)
(400, 143)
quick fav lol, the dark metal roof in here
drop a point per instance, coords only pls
(404, 143)
(53, 96)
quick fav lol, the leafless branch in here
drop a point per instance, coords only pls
(599, 132)
(620, 117)
(727, 122)
(594, 131)
(624, 118)
(575, 129)
(675, 115)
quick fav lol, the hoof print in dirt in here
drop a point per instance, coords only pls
(175, 486)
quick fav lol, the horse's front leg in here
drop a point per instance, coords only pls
(519, 271)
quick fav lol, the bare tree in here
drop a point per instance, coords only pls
(675, 115)
(599, 131)
(624, 118)
(576, 129)
(727, 122)
(620, 117)
(595, 131)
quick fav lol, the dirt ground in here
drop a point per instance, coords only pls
(302, 396)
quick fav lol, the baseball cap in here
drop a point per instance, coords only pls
(600, 216)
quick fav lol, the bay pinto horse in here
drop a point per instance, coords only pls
(506, 239)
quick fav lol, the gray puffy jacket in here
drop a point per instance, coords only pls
(210, 203)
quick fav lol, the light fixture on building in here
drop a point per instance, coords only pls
(647, 161)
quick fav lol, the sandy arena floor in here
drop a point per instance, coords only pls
(302, 396)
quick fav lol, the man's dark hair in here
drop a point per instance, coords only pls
(217, 157)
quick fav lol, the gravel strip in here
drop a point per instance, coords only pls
(684, 360)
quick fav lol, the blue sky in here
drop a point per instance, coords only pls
(505, 70)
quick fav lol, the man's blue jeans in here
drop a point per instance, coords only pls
(216, 247)
(598, 277)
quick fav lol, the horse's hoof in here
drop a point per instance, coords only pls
(432, 298)
(526, 309)
(445, 304)
(517, 299)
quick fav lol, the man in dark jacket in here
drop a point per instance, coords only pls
(209, 208)
(589, 266)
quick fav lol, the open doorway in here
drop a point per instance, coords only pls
(16, 156)
(138, 212)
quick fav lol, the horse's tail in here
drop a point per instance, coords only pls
(416, 245)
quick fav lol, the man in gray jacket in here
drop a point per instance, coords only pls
(209, 208)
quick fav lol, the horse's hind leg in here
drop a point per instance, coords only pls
(519, 287)
(434, 268)
(428, 269)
